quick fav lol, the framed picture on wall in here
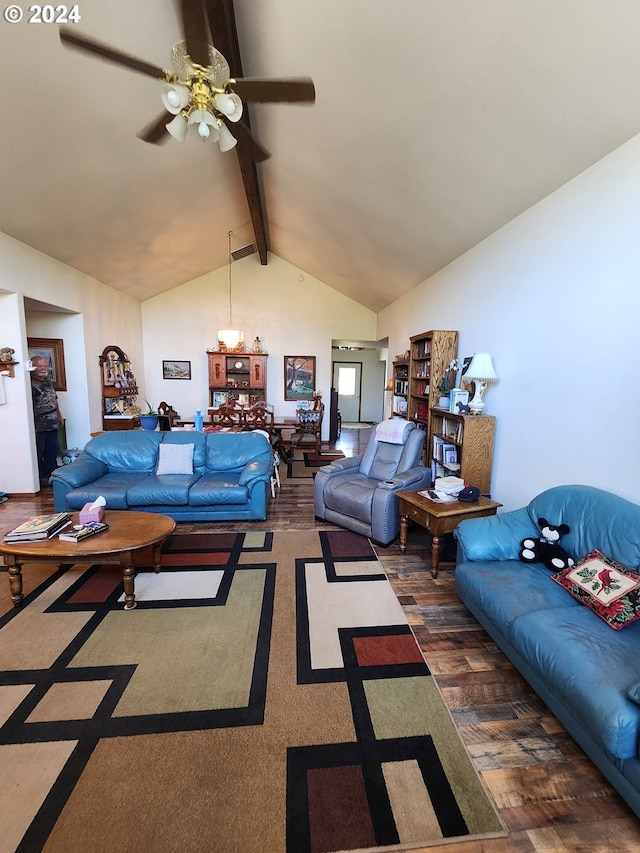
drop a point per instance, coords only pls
(52, 350)
(299, 377)
(176, 370)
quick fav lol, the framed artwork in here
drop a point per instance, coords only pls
(51, 349)
(176, 370)
(299, 377)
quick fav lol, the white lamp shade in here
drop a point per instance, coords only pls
(227, 139)
(178, 128)
(229, 105)
(174, 98)
(481, 367)
(230, 337)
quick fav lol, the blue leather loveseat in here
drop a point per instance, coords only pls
(189, 476)
(587, 673)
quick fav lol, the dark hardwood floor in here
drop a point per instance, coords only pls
(550, 795)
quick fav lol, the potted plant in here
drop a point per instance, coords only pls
(446, 383)
(149, 420)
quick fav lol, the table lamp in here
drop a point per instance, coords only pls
(482, 373)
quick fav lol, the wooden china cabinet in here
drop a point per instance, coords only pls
(239, 377)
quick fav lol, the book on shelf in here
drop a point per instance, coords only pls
(84, 531)
(39, 527)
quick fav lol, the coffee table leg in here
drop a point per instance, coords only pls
(157, 557)
(404, 526)
(15, 580)
(128, 577)
(435, 556)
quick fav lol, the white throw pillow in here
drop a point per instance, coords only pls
(175, 459)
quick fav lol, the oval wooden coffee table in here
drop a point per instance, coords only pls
(128, 533)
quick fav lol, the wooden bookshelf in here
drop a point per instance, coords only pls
(471, 437)
(400, 392)
(430, 356)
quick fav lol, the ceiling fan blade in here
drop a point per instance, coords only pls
(260, 90)
(248, 144)
(156, 131)
(196, 31)
(74, 40)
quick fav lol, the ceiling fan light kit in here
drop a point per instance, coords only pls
(201, 96)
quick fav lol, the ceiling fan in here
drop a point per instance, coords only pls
(199, 94)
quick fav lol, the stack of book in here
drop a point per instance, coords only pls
(39, 527)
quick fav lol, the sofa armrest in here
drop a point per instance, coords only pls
(496, 537)
(256, 470)
(84, 470)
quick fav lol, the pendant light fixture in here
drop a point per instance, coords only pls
(231, 339)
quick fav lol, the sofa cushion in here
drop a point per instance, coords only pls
(197, 439)
(231, 451)
(505, 590)
(175, 459)
(590, 668)
(158, 489)
(597, 519)
(113, 487)
(605, 586)
(216, 488)
(126, 451)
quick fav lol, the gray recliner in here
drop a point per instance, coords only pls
(359, 493)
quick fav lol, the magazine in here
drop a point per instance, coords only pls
(84, 531)
(39, 527)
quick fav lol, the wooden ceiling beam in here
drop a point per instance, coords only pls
(222, 25)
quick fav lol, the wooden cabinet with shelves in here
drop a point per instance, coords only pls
(237, 376)
(462, 446)
(400, 390)
(119, 389)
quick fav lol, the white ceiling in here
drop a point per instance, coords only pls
(436, 122)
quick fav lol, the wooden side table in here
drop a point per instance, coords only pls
(438, 518)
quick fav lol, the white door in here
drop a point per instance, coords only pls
(347, 379)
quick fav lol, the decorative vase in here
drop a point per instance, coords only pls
(443, 402)
(148, 421)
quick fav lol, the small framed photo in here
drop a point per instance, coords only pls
(176, 370)
(52, 350)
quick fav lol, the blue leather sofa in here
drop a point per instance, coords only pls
(587, 673)
(230, 476)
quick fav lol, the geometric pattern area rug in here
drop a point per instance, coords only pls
(305, 463)
(266, 687)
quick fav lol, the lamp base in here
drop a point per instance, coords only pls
(476, 405)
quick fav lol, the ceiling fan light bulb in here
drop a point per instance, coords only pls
(174, 98)
(203, 130)
(229, 105)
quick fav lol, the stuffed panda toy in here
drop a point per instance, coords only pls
(546, 549)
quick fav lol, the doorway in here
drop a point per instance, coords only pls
(347, 380)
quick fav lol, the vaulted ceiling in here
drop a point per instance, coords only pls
(435, 123)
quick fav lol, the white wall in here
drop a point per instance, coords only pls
(554, 296)
(88, 316)
(291, 317)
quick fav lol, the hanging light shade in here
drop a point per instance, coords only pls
(231, 338)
